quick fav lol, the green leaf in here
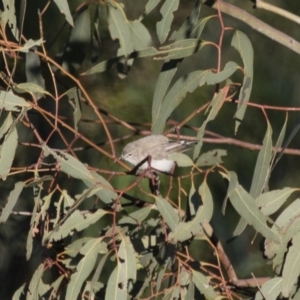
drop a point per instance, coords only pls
(202, 284)
(84, 268)
(35, 283)
(55, 287)
(34, 75)
(186, 230)
(151, 4)
(211, 158)
(116, 286)
(30, 44)
(261, 174)
(63, 7)
(19, 292)
(163, 26)
(286, 226)
(9, 145)
(31, 88)
(168, 213)
(190, 27)
(243, 45)
(69, 164)
(262, 166)
(11, 201)
(188, 84)
(74, 96)
(181, 159)
(9, 16)
(127, 260)
(246, 207)
(291, 269)
(163, 82)
(136, 217)
(161, 272)
(9, 101)
(270, 290)
(270, 202)
(140, 35)
(77, 221)
(214, 107)
(119, 29)
(181, 49)
(101, 187)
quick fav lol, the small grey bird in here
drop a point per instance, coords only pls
(158, 147)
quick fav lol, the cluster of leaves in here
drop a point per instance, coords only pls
(141, 253)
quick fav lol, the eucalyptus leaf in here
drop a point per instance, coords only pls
(167, 12)
(243, 45)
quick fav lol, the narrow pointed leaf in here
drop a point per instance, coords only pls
(270, 202)
(84, 268)
(246, 207)
(69, 164)
(168, 213)
(262, 166)
(163, 26)
(202, 284)
(291, 269)
(63, 7)
(11, 201)
(243, 45)
(119, 29)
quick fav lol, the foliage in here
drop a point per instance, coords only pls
(102, 241)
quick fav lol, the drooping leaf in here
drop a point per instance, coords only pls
(246, 207)
(202, 284)
(30, 44)
(19, 292)
(168, 213)
(74, 96)
(8, 16)
(163, 26)
(116, 285)
(260, 175)
(69, 164)
(84, 268)
(181, 159)
(119, 29)
(269, 290)
(9, 101)
(77, 221)
(181, 49)
(35, 283)
(186, 230)
(127, 261)
(163, 82)
(286, 226)
(187, 84)
(270, 202)
(101, 187)
(262, 166)
(9, 145)
(151, 4)
(63, 7)
(136, 217)
(291, 269)
(11, 201)
(214, 107)
(140, 35)
(189, 28)
(211, 158)
(243, 45)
